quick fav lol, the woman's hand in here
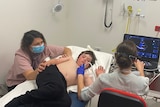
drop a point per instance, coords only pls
(41, 67)
(140, 66)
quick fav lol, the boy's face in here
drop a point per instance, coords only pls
(84, 59)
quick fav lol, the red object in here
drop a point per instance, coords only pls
(110, 97)
(157, 28)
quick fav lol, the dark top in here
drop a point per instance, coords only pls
(51, 92)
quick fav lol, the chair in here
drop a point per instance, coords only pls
(110, 97)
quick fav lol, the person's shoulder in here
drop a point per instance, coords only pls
(54, 47)
(109, 76)
(19, 52)
(139, 78)
(104, 76)
(49, 46)
(143, 78)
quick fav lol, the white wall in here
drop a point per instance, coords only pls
(86, 23)
(19, 16)
(79, 23)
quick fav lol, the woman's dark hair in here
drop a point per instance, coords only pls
(91, 53)
(125, 53)
(28, 38)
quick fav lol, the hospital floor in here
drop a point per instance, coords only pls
(153, 99)
(152, 103)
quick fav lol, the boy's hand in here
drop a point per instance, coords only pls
(100, 70)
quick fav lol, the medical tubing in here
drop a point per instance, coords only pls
(94, 75)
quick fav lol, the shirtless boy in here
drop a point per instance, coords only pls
(46, 85)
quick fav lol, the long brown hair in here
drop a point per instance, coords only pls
(28, 38)
(124, 50)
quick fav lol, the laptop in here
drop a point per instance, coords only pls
(148, 50)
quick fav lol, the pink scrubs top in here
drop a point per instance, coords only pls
(22, 63)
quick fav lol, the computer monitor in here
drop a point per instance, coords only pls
(148, 49)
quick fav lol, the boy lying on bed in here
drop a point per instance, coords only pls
(53, 92)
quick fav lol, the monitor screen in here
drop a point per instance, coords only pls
(148, 47)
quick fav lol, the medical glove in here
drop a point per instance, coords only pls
(81, 69)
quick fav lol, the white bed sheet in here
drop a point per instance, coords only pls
(104, 59)
(19, 90)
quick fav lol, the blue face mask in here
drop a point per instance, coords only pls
(38, 49)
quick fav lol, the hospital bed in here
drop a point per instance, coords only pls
(104, 59)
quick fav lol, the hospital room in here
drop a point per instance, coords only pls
(104, 31)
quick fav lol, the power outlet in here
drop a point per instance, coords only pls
(157, 28)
